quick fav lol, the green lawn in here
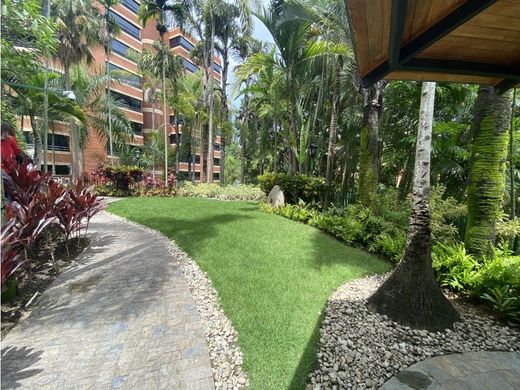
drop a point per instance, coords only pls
(273, 276)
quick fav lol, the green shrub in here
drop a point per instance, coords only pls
(309, 189)
(454, 267)
(503, 301)
(495, 280)
(390, 245)
(230, 192)
(447, 214)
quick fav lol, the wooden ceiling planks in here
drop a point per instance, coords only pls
(425, 14)
(490, 37)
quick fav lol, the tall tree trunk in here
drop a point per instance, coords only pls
(245, 122)
(165, 115)
(153, 132)
(177, 150)
(38, 146)
(332, 134)
(224, 113)
(411, 295)
(211, 96)
(294, 128)
(486, 179)
(511, 157)
(109, 84)
(74, 138)
(369, 144)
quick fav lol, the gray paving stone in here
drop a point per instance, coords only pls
(121, 318)
(466, 371)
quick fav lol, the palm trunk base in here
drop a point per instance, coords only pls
(411, 296)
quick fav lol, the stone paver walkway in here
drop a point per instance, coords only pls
(123, 317)
(466, 371)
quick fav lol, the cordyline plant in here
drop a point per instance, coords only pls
(11, 258)
(37, 202)
(85, 201)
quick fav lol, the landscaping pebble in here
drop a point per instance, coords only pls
(221, 336)
(360, 349)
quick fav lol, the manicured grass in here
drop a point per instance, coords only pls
(273, 276)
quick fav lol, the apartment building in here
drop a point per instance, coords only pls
(129, 90)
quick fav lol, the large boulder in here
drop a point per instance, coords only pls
(276, 197)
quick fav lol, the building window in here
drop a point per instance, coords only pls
(172, 120)
(197, 175)
(125, 76)
(216, 146)
(216, 176)
(121, 49)
(62, 170)
(197, 159)
(60, 142)
(189, 66)
(126, 26)
(216, 161)
(182, 42)
(127, 101)
(137, 128)
(217, 68)
(132, 5)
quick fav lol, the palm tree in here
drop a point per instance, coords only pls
(486, 181)
(110, 28)
(234, 23)
(158, 10)
(103, 114)
(163, 62)
(290, 35)
(27, 96)
(411, 294)
(78, 22)
(151, 90)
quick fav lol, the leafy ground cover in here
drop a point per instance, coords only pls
(273, 275)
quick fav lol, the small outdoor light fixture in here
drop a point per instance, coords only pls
(69, 95)
(313, 149)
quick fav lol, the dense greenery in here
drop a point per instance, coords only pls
(273, 276)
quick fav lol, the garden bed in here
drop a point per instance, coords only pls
(53, 258)
(361, 349)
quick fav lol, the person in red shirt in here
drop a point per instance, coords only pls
(10, 150)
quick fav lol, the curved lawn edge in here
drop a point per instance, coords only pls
(273, 276)
(220, 334)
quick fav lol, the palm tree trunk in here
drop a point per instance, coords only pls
(332, 134)
(369, 145)
(411, 295)
(177, 150)
(511, 158)
(153, 132)
(243, 125)
(38, 146)
(74, 139)
(294, 129)
(486, 179)
(224, 110)
(165, 114)
(211, 96)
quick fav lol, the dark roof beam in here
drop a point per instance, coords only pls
(443, 27)
(397, 21)
(505, 85)
(405, 53)
(462, 67)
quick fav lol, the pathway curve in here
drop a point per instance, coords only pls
(122, 317)
(466, 371)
